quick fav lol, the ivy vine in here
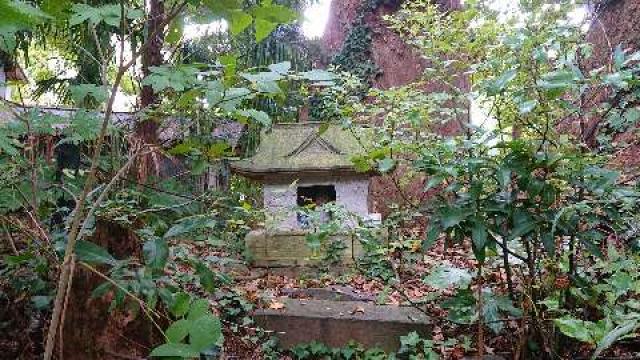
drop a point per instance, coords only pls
(354, 57)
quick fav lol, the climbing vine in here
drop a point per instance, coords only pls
(355, 58)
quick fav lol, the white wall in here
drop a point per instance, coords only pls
(280, 198)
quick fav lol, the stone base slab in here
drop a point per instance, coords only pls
(336, 323)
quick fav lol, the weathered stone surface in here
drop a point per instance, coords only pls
(280, 199)
(335, 323)
(334, 293)
(290, 249)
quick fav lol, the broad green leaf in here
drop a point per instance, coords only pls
(264, 28)
(523, 223)
(181, 304)
(178, 331)
(431, 236)
(93, 254)
(178, 78)
(318, 75)
(190, 224)
(239, 21)
(82, 91)
(176, 29)
(575, 328)
(156, 253)
(281, 68)
(268, 87)
(19, 15)
(443, 277)
(452, 216)
(175, 350)
(208, 278)
(259, 116)
(109, 14)
(386, 165)
(223, 7)
(205, 332)
(198, 309)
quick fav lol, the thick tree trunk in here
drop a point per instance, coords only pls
(152, 56)
(147, 129)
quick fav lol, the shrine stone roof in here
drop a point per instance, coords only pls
(298, 148)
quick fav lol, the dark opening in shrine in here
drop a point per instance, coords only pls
(316, 194)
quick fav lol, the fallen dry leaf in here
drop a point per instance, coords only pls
(276, 305)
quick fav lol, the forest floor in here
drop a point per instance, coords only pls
(265, 288)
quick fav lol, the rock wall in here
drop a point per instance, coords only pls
(616, 22)
(399, 65)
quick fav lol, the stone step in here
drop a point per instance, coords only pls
(335, 323)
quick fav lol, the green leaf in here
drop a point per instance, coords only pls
(198, 309)
(19, 15)
(613, 336)
(526, 107)
(557, 81)
(431, 236)
(190, 224)
(178, 331)
(500, 83)
(523, 223)
(109, 14)
(577, 329)
(259, 116)
(239, 21)
(176, 29)
(264, 28)
(80, 92)
(175, 350)
(7, 144)
(156, 253)
(178, 78)
(444, 277)
(41, 302)
(207, 277)
(618, 57)
(180, 305)
(452, 216)
(205, 332)
(281, 68)
(318, 75)
(479, 236)
(386, 165)
(93, 254)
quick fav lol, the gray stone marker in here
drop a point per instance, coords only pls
(335, 323)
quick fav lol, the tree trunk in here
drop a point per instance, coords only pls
(152, 56)
(147, 128)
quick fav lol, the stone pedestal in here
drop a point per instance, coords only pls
(290, 248)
